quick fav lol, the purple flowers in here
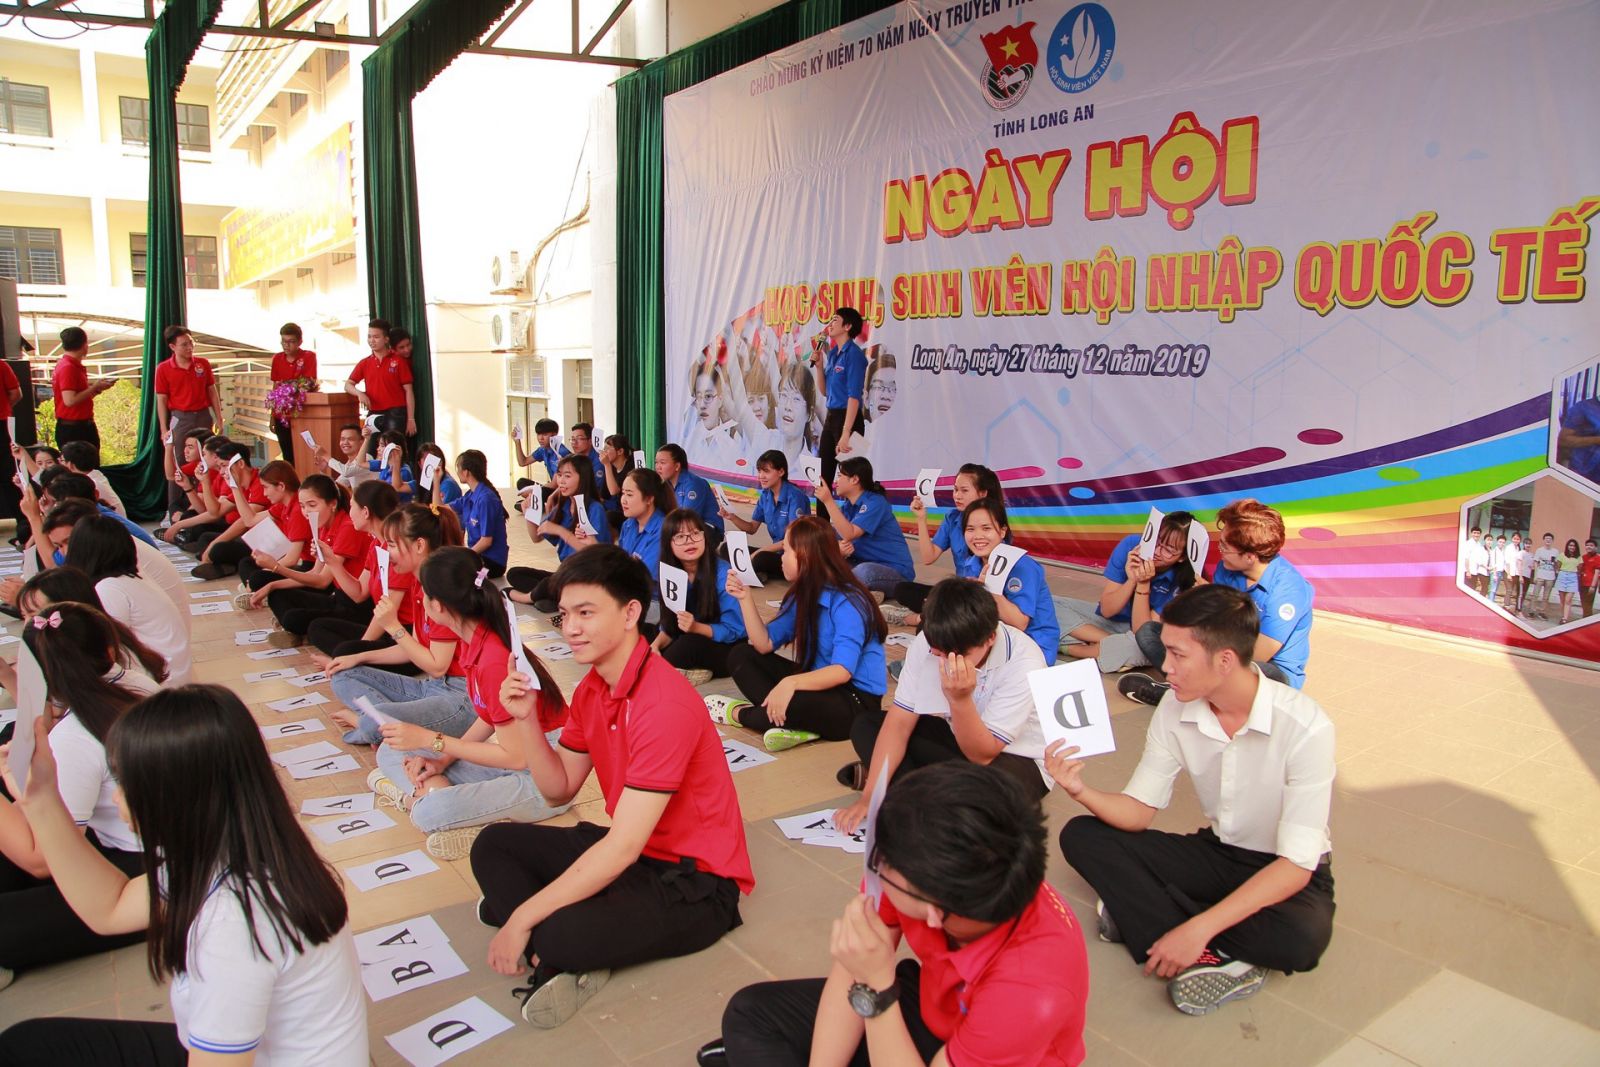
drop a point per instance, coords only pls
(288, 398)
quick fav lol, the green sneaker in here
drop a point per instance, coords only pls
(777, 739)
(724, 709)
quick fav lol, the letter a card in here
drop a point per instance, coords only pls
(1071, 702)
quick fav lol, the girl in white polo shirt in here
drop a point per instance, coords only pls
(103, 549)
(245, 918)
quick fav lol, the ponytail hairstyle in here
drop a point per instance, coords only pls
(860, 468)
(427, 496)
(1177, 522)
(703, 574)
(476, 464)
(77, 646)
(204, 798)
(436, 524)
(653, 489)
(584, 469)
(69, 585)
(821, 566)
(458, 580)
(988, 481)
(620, 444)
(379, 498)
(102, 547)
(281, 474)
(325, 488)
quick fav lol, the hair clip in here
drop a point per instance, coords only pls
(483, 572)
(53, 621)
(434, 507)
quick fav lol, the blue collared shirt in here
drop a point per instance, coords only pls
(561, 512)
(482, 515)
(694, 492)
(644, 544)
(1163, 587)
(1283, 597)
(779, 511)
(882, 540)
(842, 640)
(952, 536)
(1027, 588)
(845, 374)
(728, 626)
(550, 457)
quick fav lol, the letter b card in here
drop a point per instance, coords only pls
(1071, 702)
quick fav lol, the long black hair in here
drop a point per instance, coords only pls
(652, 488)
(204, 799)
(566, 509)
(860, 468)
(476, 464)
(379, 498)
(77, 646)
(703, 574)
(987, 480)
(1177, 522)
(436, 524)
(821, 567)
(103, 548)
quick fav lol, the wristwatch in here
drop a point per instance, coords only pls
(438, 743)
(868, 1003)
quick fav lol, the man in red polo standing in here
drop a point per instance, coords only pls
(387, 376)
(186, 399)
(291, 364)
(74, 393)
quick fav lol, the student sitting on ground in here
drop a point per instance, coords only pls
(250, 503)
(482, 515)
(871, 535)
(81, 653)
(276, 980)
(299, 597)
(664, 878)
(362, 583)
(973, 481)
(450, 785)
(616, 463)
(645, 503)
(1213, 911)
(389, 464)
(216, 500)
(102, 549)
(56, 533)
(230, 553)
(550, 451)
(697, 641)
(692, 491)
(997, 974)
(561, 530)
(83, 457)
(186, 477)
(1135, 591)
(1252, 535)
(1026, 602)
(963, 694)
(351, 469)
(58, 484)
(838, 668)
(445, 489)
(438, 699)
(779, 503)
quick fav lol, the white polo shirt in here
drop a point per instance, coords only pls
(1003, 698)
(1267, 789)
(142, 607)
(82, 777)
(1475, 557)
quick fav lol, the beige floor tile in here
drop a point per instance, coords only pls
(1359, 1052)
(1454, 1021)
(1544, 784)
(670, 1002)
(1450, 758)
(1101, 1052)
(1514, 740)
(59, 987)
(1557, 835)
(1358, 979)
(1395, 784)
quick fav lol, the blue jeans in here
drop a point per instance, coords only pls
(440, 704)
(878, 577)
(476, 794)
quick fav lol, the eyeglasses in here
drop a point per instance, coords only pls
(873, 866)
(1164, 549)
(688, 538)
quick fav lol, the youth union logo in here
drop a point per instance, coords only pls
(1081, 47)
(1013, 58)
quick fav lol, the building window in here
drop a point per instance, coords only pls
(199, 261)
(24, 108)
(31, 256)
(333, 61)
(194, 124)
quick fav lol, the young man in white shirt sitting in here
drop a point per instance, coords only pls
(1213, 911)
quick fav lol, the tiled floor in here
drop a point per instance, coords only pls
(1466, 831)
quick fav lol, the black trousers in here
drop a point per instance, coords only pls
(10, 495)
(77, 430)
(285, 435)
(531, 580)
(770, 1024)
(38, 926)
(255, 576)
(297, 609)
(694, 651)
(390, 419)
(1152, 881)
(833, 431)
(98, 1042)
(653, 911)
(912, 595)
(827, 712)
(228, 554)
(933, 741)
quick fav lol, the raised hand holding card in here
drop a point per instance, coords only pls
(1199, 545)
(1152, 531)
(927, 479)
(1002, 560)
(674, 587)
(1071, 703)
(738, 543)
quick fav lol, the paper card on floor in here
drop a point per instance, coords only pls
(276, 674)
(638, 458)
(674, 588)
(1199, 545)
(366, 707)
(422, 967)
(306, 681)
(854, 843)
(811, 824)
(30, 705)
(397, 939)
(1152, 532)
(293, 729)
(1002, 558)
(554, 650)
(390, 869)
(208, 609)
(741, 757)
(9, 639)
(276, 653)
(338, 804)
(315, 750)
(299, 703)
(449, 1033)
(266, 537)
(517, 648)
(872, 885)
(899, 640)
(382, 555)
(738, 543)
(210, 594)
(580, 512)
(251, 637)
(811, 468)
(430, 470)
(319, 768)
(346, 827)
(1071, 702)
(927, 479)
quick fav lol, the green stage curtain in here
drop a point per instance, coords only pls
(641, 319)
(430, 38)
(177, 34)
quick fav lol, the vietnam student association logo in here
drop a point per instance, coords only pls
(1012, 59)
(1081, 47)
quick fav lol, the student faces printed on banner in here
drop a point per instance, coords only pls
(752, 389)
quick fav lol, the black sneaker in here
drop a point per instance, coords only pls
(549, 607)
(210, 572)
(712, 1054)
(483, 915)
(1209, 983)
(1143, 689)
(853, 776)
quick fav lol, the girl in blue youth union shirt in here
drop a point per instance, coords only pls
(1026, 602)
(865, 522)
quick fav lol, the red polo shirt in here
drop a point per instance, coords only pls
(294, 526)
(256, 494)
(1017, 995)
(303, 365)
(342, 539)
(386, 380)
(652, 733)
(486, 661)
(185, 389)
(427, 631)
(8, 382)
(70, 374)
(398, 583)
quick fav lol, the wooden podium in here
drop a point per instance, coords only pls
(323, 414)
